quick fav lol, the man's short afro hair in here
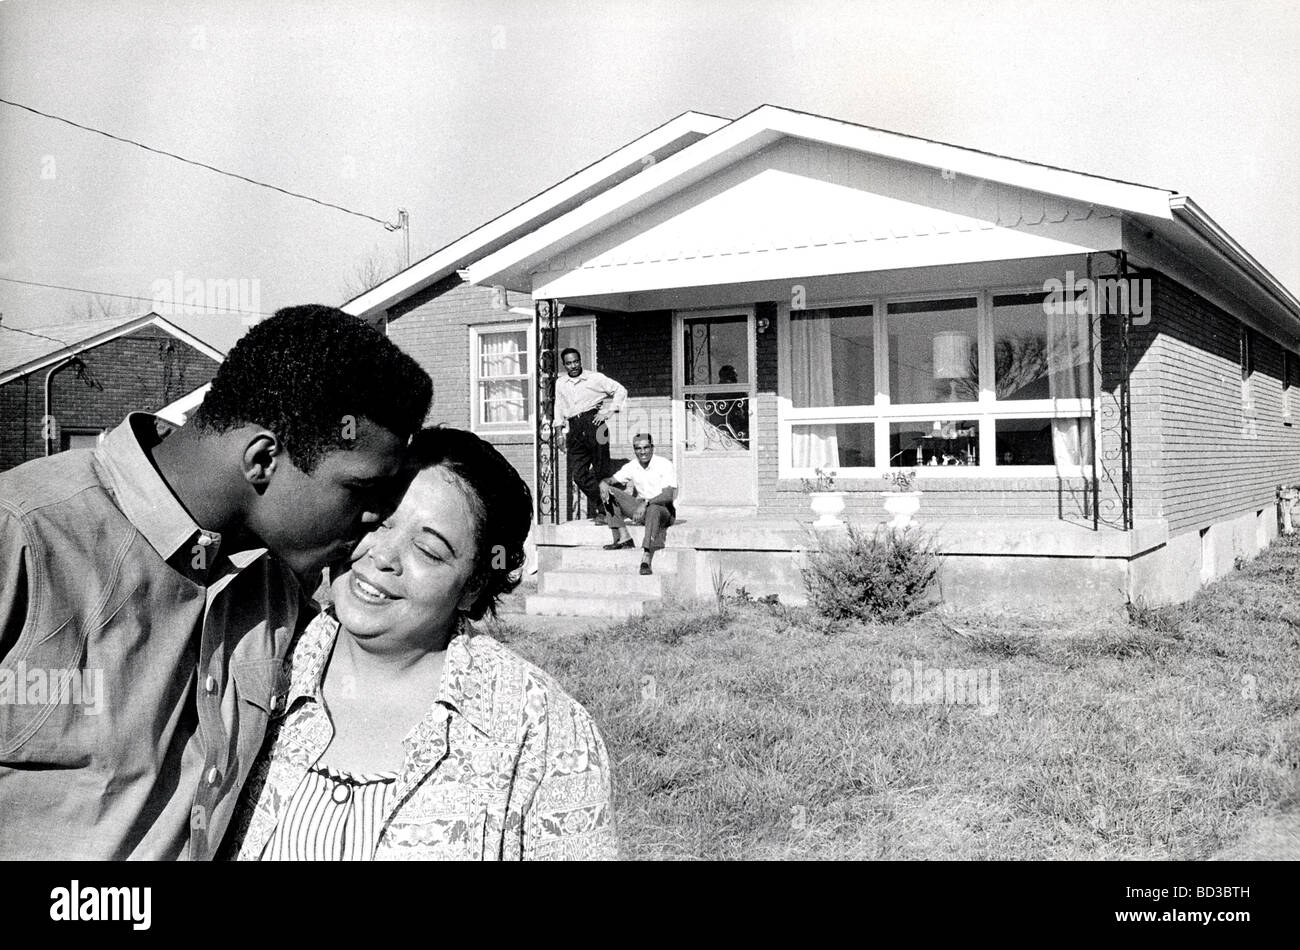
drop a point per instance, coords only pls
(301, 372)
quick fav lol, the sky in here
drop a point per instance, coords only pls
(457, 110)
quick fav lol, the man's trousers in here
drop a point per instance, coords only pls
(658, 518)
(587, 446)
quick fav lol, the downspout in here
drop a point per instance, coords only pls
(47, 419)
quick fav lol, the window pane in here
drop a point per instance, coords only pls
(934, 442)
(503, 354)
(503, 401)
(832, 357)
(717, 422)
(1065, 443)
(716, 350)
(833, 445)
(1037, 352)
(934, 351)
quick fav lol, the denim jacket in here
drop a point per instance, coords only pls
(138, 659)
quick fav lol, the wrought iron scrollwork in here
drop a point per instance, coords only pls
(546, 315)
(718, 422)
(1113, 473)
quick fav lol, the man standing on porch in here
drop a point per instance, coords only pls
(584, 400)
(654, 489)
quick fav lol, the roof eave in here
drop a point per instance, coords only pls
(1192, 216)
(527, 216)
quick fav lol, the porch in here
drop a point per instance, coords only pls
(983, 562)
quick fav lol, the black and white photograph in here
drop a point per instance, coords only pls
(591, 430)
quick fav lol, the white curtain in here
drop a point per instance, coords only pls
(1067, 355)
(1069, 365)
(1072, 442)
(811, 352)
(503, 355)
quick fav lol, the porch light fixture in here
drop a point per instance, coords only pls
(763, 324)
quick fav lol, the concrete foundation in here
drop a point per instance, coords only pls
(1010, 563)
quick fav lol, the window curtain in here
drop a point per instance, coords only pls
(811, 356)
(1069, 363)
(503, 354)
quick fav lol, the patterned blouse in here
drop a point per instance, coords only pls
(504, 765)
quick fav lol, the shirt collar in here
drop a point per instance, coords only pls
(145, 499)
(148, 502)
(469, 675)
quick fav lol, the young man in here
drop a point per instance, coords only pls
(584, 400)
(654, 489)
(149, 588)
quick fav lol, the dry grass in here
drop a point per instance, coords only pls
(770, 735)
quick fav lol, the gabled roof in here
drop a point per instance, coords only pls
(630, 160)
(33, 348)
(1171, 216)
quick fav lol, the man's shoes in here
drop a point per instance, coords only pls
(619, 545)
(645, 568)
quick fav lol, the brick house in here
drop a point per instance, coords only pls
(1094, 382)
(62, 387)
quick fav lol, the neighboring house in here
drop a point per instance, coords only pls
(63, 386)
(785, 293)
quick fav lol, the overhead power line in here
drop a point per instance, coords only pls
(151, 300)
(211, 168)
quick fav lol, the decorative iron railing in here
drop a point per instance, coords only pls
(717, 422)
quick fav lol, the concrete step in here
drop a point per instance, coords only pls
(601, 582)
(587, 605)
(616, 562)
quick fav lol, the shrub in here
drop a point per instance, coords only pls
(882, 576)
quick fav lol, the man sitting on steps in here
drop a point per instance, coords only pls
(653, 481)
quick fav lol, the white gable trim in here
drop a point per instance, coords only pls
(538, 209)
(768, 123)
(99, 339)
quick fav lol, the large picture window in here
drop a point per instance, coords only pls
(976, 382)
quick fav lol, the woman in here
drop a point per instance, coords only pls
(404, 735)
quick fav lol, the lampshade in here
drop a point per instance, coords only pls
(951, 355)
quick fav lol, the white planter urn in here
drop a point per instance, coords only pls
(827, 506)
(902, 505)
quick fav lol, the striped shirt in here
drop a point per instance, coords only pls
(333, 816)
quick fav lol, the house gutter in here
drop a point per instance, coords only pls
(1187, 211)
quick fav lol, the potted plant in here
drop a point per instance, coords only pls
(825, 501)
(903, 500)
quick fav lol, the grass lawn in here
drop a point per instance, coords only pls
(761, 734)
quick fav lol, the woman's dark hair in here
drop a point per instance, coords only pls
(499, 499)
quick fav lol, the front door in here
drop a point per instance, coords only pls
(714, 419)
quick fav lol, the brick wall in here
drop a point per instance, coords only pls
(141, 371)
(433, 327)
(637, 350)
(1216, 458)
